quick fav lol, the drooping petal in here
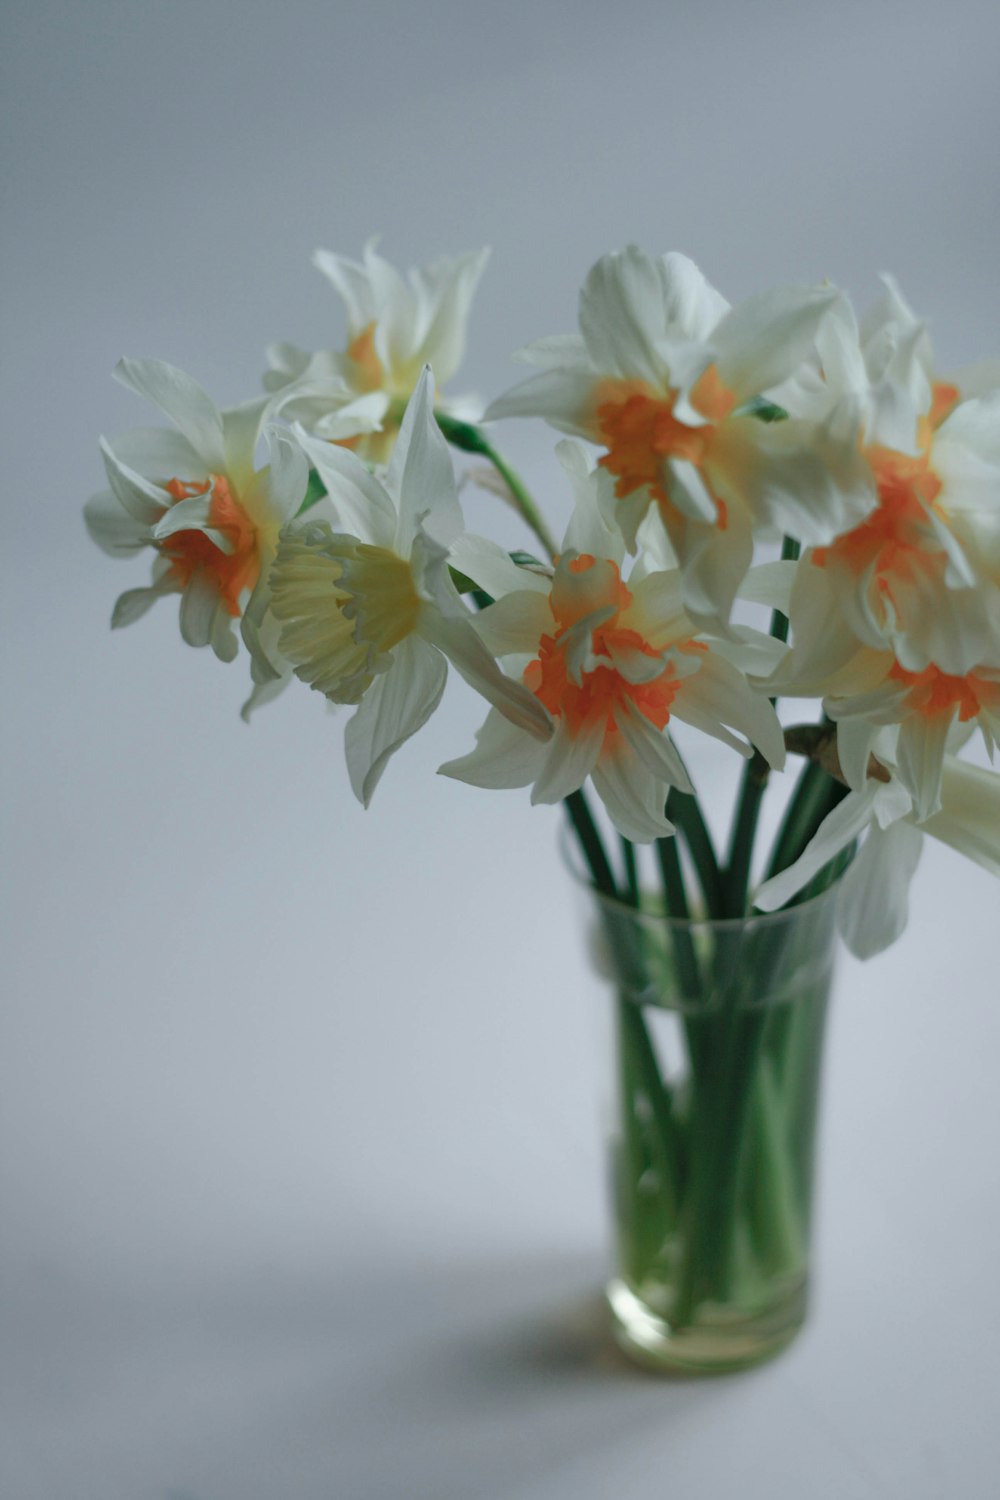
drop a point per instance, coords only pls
(398, 703)
(199, 603)
(504, 757)
(921, 747)
(873, 902)
(839, 828)
(570, 758)
(653, 748)
(632, 795)
(113, 529)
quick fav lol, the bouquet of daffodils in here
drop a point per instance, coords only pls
(696, 431)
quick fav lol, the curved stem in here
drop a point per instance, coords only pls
(471, 439)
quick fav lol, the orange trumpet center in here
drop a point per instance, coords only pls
(640, 430)
(602, 688)
(191, 551)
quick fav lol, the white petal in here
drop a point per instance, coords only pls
(764, 340)
(969, 820)
(183, 400)
(770, 584)
(556, 351)
(114, 530)
(839, 828)
(692, 306)
(160, 453)
(491, 567)
(420, 474)
(398, 703)
(873, 902)
(454, 284)
(564, 398)
(241, 431)
(199, 603)
(689, 492)
(352, 282)
(515, 624)
(134, 603)
(504, 757)
(632, 795)
(288, 474)
(569, 760)
(855, 738)
(921, 747)
(622, 315)
(140, 497)
(466, 652)
(363, 506)
(654, 748)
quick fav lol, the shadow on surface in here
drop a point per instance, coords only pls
(450, 1382)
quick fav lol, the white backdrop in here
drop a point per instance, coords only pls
(302, 1180)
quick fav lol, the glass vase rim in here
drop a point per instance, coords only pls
(570, 857)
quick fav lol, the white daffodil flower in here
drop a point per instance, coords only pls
(394, 328)
(370, 615)
(921, 573)
(663, 377)
(874, 894)
(195, 498)
(613, 663)
(867, 691)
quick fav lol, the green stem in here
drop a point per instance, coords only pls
(753, 787)
(631, 872)
(471, 439)
(591, 843)
(684, 810)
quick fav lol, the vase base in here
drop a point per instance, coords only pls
(715, 1345)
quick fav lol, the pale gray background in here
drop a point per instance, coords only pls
(302, 1182)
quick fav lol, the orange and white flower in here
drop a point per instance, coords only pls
(195, 498)
(871, 694)
(663, 377)
(921, 573)
(394, 328)
(612, 663)
(370, 615)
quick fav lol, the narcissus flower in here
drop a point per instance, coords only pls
(664, 377)
(195, 498)
(357, 395)
(613, 663)
(370, 615)
(870, 693)
(921, 573)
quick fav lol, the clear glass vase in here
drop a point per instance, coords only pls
(718, 1035)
